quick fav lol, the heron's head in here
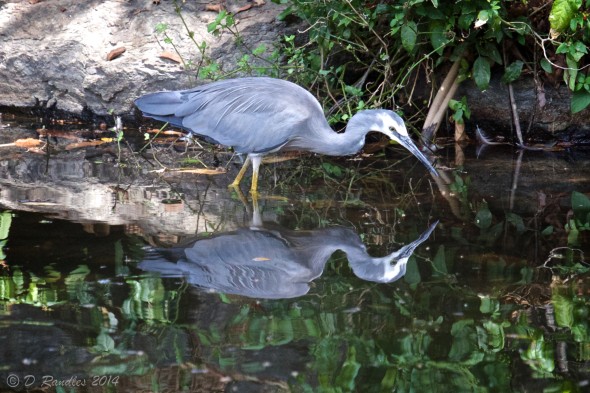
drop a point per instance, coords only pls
(389, 123)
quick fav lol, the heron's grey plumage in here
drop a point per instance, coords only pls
(258, 115)
(272, 262)
(253, 115)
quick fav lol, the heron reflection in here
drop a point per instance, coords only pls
(272, 262)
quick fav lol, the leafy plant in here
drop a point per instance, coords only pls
(390, 41)
(5, 222)
(460, 110)
(581, 218)
(258, 60)
(354, 42)
(570, 28)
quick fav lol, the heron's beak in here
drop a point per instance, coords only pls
(407, 142)
(407, 250)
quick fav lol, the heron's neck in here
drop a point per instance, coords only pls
(376, 269)
(324, 140)
(318, 249)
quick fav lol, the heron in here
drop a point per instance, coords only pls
(261, 115)
(272, 262)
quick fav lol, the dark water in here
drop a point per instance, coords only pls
(119, 277)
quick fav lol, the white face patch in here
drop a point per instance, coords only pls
(392, 272)
(390, 123)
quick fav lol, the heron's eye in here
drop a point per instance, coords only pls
(391, 128)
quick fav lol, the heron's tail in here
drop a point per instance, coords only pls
(161, 106)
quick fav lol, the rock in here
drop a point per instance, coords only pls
(54, 54)
(546, 109)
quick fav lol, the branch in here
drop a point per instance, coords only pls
(439, 104)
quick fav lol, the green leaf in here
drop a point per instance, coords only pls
(580, 100)
(438, 38)
(259, 50)
(490, 51)
(572, 233)
(547, 231)
(517, 221)
(540, 356)
(458, 116)
(562, 48)
(412, 275)
(563, 309)
(349, 371)
(459, 326)
(491, 336)
(161, 28)
(5, 222)
(512, 72)
(333, 170)
(481, 73)
(388, 381)
(211, 27)
(352, 90)
(561, 13)
(465, 21)
(569, 76)
(546, 66)
(580, 48)
(281, 331)
(439, 264)
(482, 18)
(483, 218)
(489, 305)
(409, 33)
(104, 342)
(580, 206)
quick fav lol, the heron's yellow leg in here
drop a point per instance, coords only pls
(256, 160)
(241, 173)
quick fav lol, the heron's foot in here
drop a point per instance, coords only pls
(240, 194)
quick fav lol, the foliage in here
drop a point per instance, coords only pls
(460, 110)
(427, 332)
(571, 29)
(581, 219)
(254, 61)
(5, 221)
(389, 41)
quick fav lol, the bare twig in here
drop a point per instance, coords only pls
(513, 107)
(441, 101)
(449, 80)
(515, 117)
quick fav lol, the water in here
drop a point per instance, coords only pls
(117, 276)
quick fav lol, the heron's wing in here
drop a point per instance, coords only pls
(254, 263)
(251, 114)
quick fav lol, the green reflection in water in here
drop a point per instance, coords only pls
(460, 320)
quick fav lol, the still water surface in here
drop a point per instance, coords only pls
(363, 275)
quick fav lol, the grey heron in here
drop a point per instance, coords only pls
(272, 262)
(260, 115)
